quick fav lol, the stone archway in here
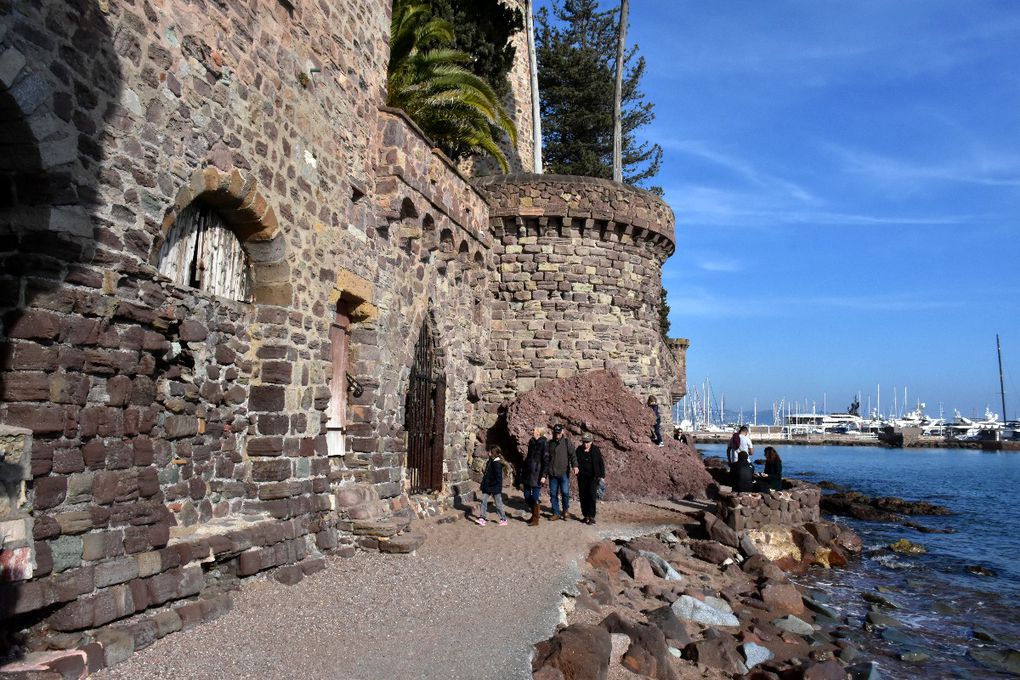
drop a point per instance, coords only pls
(425, 414)
(238, 201)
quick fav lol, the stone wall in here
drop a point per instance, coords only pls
(160, 442)
(580, 266)
(794, 506)
(178, 438)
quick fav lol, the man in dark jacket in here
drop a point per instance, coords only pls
(590, 469)
(562, 459)
(535, 471)
(742, 474)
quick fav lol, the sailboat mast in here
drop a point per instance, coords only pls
(1002, 385)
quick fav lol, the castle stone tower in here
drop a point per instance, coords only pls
(577, 286)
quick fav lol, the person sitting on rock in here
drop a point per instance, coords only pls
(535, 471)
(562, 459)
(772, 480)
(492, 485)
(742, 474)
(590, 469)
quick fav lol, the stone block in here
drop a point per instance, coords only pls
(74, 522)
(277, 372)
(102, 544)
(49, 492)
(266, 398)
(118, 645)
(116, 571)
(271, 470)
(115, 486)
(66, 551)
(289, 575)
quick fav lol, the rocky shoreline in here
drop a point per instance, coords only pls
(701, 601)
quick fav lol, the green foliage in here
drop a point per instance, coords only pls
(663, 314)
(576, 49)
(484, 29)
(430, 81)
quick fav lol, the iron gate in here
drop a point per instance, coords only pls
(426, 416)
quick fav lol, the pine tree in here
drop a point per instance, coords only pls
(576, 49)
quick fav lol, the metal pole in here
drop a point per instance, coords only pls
(621, 48)
(1002, 385)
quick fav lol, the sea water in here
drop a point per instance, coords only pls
(945, 609)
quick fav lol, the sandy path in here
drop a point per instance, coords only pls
(470, 604)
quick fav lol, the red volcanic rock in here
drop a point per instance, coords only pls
(598, 402)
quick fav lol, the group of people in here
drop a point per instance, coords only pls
(553, 461)
(743, 478)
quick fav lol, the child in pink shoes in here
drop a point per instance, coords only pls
(492, 485)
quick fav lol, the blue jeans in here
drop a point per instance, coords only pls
(483, 509)
(532, 494)
(560, 487)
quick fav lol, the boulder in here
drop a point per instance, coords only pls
(578, 652)
(782, 598)
(661, 567)
(775, 541)
(755, 654)
(603, 555)
(905, 547)
(599, 402)
(718, 652)
(641, 570)
(1001, 660)
(792, 624)
(712, 551)
(692, 609)
(827, 670)
(647, 654)
(670, 625)
(717, 530)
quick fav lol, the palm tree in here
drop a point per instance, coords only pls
(427, 79)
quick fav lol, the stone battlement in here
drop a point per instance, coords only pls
(561, 205)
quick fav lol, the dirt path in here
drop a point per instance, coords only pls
(468, 605)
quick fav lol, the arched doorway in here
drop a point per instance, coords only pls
(426, 415)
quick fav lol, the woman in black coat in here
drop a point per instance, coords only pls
(773, 477)
(535, 468)
(590, 469)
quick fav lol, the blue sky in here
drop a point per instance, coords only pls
(846, 182)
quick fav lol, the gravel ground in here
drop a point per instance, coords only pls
(469, 604)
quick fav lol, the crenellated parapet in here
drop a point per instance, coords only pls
(562, 205)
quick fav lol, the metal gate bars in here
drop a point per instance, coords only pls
(426, 416)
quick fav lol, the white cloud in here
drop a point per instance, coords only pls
(701, 303)
(720, 265)
(978, 167)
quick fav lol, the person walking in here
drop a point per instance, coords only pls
(657, 428)
(590, 469)
(562, 459)
(492, 486)
(535, 472)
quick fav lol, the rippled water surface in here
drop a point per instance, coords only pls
(944, 609)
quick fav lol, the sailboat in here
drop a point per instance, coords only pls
(996, 436)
